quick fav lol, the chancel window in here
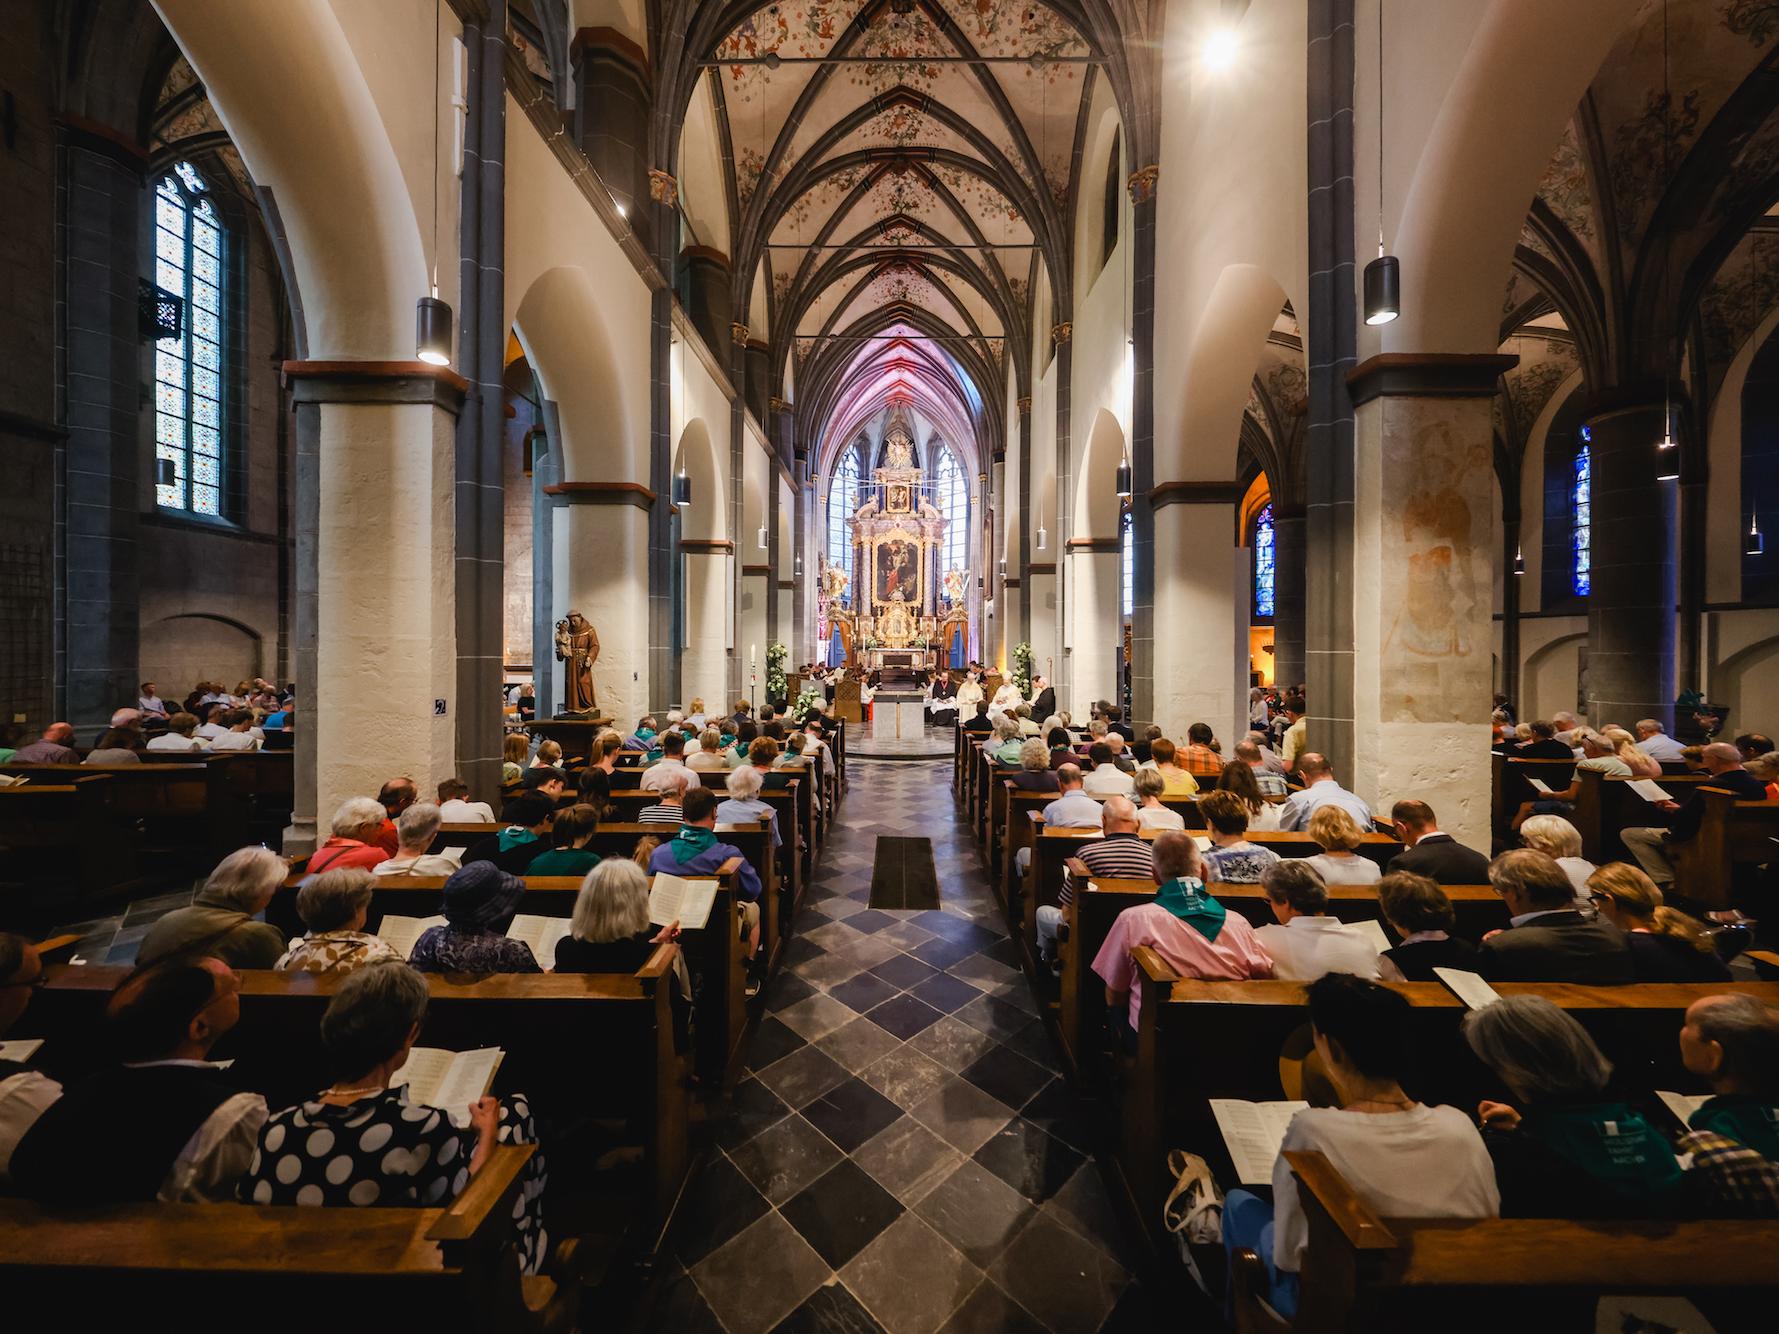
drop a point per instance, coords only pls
(1265, 563)
(1581, 488)
(843, 500)
(188, 368)
(953, 501)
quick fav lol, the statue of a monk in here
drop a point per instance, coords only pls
(577, 646)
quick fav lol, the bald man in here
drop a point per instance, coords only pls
(1120, 855)
(1732, 1042)
(55, 746)
(1650, 845)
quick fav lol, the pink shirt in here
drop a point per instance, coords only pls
(1234, 956)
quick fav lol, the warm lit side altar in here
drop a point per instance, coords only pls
(896, 616)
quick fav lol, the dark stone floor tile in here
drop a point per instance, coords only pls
(996, 1018)
(785, 990)
(941, 952)
(911, 1278)
(905, 1076)
(753, 1108)
(1084, 1206)
(842, 1212)
(783, 1159)
(759, 1277)
(1007, 1075)
(831, 1309)
(1066, 1281)
(851, 1113)
(803, 1076)
(945, 992)
(872, 919)
(988, 1310)
(799, 948)
(904, 1016)
(903, 971)
(859, 1044)
(960, 929)
(1035, 1164)
(719, 1203)
(1057, 1111)
(976, 1212)
(680, 1306)
(771, 1041)
(864, 992)
(1006, 950)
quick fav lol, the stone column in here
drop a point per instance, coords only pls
(375, 472)
(1631, 637)
(1510, 598)
(1146, 680)
(1023, 552)
(1331, 340)
(1693, 518)
(600, 566)
(1096, 620)
(99, 639)
(1288, 593)
(1201, 656)
(546, 473)
(611, 118)
(701, 277)
(1422, 581)
(1067, 648)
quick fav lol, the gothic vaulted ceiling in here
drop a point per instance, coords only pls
(900, 171)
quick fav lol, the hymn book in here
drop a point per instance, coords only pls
(20, 1049)
(541, 934)
(448, 1080)
(1468, 987)
(1683, 1105)
(673, 899)
(1254, 1133)
(1647, 790)
(1373, 931)
(400, 933)
(1541, 787)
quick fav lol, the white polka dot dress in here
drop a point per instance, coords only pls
(384, 1151)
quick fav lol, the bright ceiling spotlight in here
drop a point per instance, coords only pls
(1221, 48)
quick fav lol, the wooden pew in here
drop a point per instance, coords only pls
(565, 1036)
(716, 954)
(451, 1267)
(1478, 908)
(1605, 806)
(574, 735)
(1201, 1040)
(188, 813)
(1506, 792)
(62, 842)
(1366, 1272)
(1733, 833)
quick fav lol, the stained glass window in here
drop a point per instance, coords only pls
(1127, 568)
(1265, 562)
(954, 504)
(188, 369)
(1579, 499)
(843, 499)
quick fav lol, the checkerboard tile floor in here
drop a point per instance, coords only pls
(902, 1153)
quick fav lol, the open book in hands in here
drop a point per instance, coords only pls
(448, 1080)
(673, 899)
(1254, 1132)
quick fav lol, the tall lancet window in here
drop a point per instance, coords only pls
(1265, 563)
(954, 504)
(188, 369)
(843, 499)
(1580, 499)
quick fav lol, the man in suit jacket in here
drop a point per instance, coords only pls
(1547, 940)
(1429, 852)
(1045, 703)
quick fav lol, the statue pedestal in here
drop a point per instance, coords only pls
(897, 717)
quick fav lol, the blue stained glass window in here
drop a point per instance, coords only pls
(843, 499)
(187, 369)
(1265, 562)
(1579, 499)
(1127, 567)
(954, 504)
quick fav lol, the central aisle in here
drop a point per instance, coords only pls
(903, 1153)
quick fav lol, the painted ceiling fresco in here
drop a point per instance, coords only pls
(933, 135)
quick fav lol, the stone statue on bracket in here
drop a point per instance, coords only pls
(577, 646)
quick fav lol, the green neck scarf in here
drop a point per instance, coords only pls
(1186, 899)
(691, 841)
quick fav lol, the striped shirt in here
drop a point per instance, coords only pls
(1114, 857)
(662, 813)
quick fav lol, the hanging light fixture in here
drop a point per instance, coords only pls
(1043, 538)
(797, 565)
(764, 538)
(1383, 276)
(682, 489)
(1124, 487)
(1667, 468)
(432, 317)
(1519, 560)
(1756, 545)
(165, 474)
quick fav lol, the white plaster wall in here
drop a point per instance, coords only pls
(1201, 640)
(1229, 201)
(1094, 637)
(700, 424)
(1550, 663)
(702, 196)
(601, 563)
(582, 313)
(1742, 656)
(1723, 489)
